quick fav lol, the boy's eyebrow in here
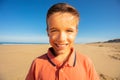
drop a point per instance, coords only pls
(70, 28)
(52, 28)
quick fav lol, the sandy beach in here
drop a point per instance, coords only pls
(15, 60)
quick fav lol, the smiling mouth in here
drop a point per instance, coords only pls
(61, 46)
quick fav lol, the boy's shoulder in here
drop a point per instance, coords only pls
(40, 59)
(83, 58)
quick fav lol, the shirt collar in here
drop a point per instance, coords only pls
(55, 62)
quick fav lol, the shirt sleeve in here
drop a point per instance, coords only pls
(30, 75)
(92, 72)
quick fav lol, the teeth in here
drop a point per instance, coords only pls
(61, 45)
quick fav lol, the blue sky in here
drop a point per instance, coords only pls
(25, 20)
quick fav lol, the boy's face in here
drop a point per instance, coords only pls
(62, 30)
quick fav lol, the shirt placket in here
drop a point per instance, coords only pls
(60, 74)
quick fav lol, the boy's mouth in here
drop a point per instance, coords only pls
(61, 46)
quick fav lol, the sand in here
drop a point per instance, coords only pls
(15, 60)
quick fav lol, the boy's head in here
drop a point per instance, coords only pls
(63, 8)
(62, 22)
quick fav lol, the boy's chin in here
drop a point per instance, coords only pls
(60, 52)
(63, 51)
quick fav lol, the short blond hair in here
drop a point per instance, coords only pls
(63, 8)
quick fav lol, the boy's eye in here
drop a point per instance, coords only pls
(69, 30)
(53, 30)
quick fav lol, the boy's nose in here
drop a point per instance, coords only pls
(62, 37)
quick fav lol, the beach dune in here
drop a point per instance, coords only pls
(15, 60)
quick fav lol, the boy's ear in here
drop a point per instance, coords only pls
(77, 30)
(47, 31)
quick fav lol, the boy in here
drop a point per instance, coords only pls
(62, 62)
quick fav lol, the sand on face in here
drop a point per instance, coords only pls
(15, 60)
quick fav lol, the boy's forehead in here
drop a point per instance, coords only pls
(63, 17)
(62, 14)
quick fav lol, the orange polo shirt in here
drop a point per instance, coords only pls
(77, 67)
